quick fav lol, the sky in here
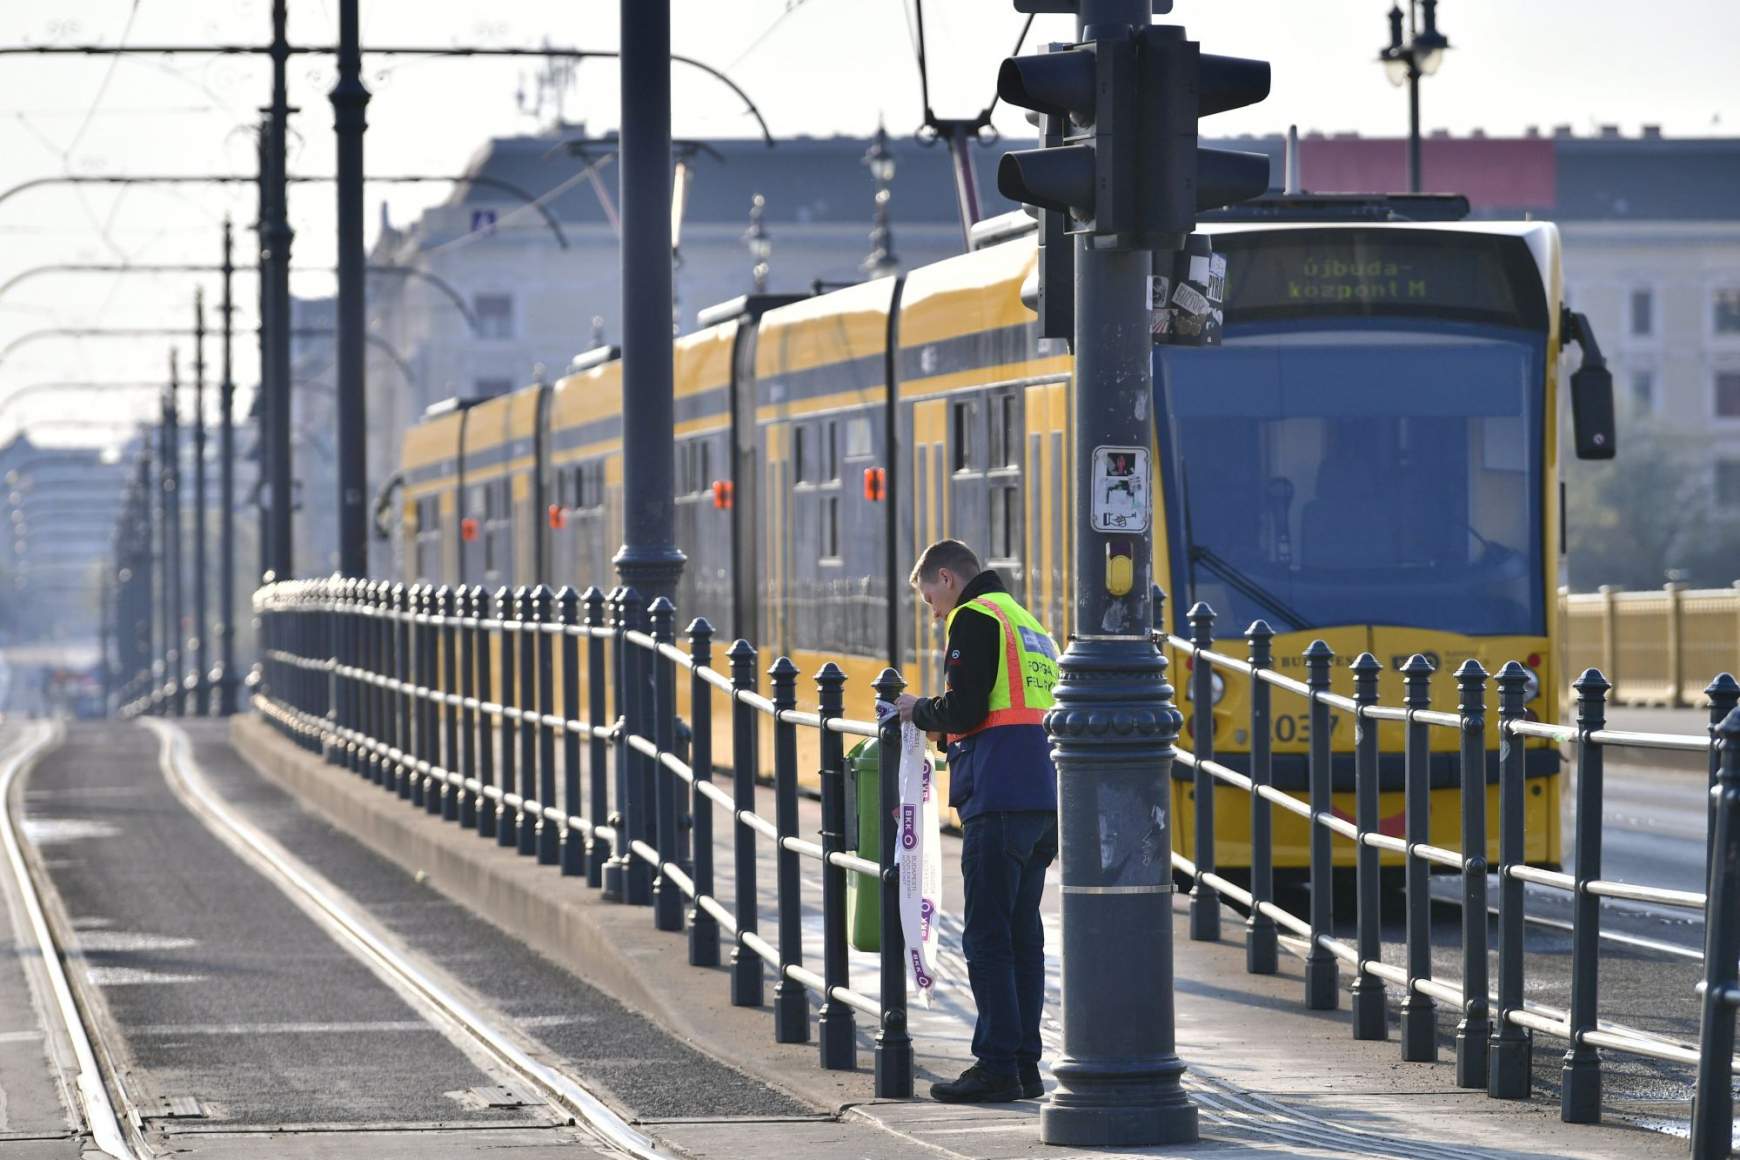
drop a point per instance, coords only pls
(814, 67)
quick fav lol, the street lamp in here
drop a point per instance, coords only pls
(760, 245)
(1406, 63)
(879, 159)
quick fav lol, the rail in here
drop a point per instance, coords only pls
(469, 706)
(1495, 1027)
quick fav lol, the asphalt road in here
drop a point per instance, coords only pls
(215, 994)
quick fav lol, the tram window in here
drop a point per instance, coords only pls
(830, 450)
(964, 415)
(831, 527)
(799, 459)
(860, 441)
(1005, 511)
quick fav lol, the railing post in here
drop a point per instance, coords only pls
(703, 928)
(636, 808)
(1475, 1027)
(667, 895)
(1713, 1106)
(836, 1029)
(1260, 946)
(1511, 1048)
(791, 1016)
(417, 676)
(1370, 1017)
(748, 981)
(615, 883)
(470, 606)
(1580, 1075)
(1204, 899)
(356, 688)
(1322, 976)
(338, 753)
(573, 853)
(1419, 1010)
(380, 662)
(893, 1051)
(402, 772)
(447, 634)
(529, 731)
(547, 833)
(597, 748)
(433, 786)
(1724, 695)
(507, 830)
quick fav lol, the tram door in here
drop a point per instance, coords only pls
(744, 473)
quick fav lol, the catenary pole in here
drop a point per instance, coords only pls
(226, 670)
(649, 560)
(201, 629)
(349, 118)
(1112, 731)
(276, 238)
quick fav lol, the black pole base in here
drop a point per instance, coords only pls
(549, 844)
(573, 854)
(1580, 1087)
(893, 1062)
(507, 827)
(1322, 982)
(1101, 1110)
(638, 887)
(1419, 1029)
(613, 880)
(1472, 1036)
(597, 858)
(1204, 914)
(418, 790)
(837, 1035)
(791, 1012)
(410, 786)
(748, 984)
(486, 818)
(1508, 1072)
(467, 811)
(1261, 952)
(667, 905)
(450, 804)
(435, 795)
(528, 834)
(703, 939)
(1370, 1016)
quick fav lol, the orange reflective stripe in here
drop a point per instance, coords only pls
(1011, 657)
(1003, 717)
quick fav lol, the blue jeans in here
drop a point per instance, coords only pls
(1003, 861)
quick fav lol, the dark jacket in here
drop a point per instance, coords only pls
(1003, 768)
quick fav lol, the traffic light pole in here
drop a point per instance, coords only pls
(1112, 731)
(649, 560)
(349, 116)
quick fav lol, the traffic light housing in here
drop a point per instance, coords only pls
(1128, 171)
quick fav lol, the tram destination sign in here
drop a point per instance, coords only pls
(1303, 273)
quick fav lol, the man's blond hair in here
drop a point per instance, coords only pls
(950, 554)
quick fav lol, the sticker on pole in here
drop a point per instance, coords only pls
(1120, 490)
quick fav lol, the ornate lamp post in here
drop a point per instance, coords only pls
(1407, 63)
(760, 245)
(879, 159)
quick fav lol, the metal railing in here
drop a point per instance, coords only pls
(396, 683)
(1494, 1033)
(1653, 644)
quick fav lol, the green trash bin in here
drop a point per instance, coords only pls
(864, 838)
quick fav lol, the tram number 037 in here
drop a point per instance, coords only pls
(1290, 727)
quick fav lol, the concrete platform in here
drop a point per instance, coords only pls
(1269, 1077)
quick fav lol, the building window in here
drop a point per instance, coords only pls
(1727, 314)
(1728, 394)
(1642, 313)
(1643, 390)
(489, 388)
(495, 315)
(1728, 482)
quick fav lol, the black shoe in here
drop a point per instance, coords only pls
(1032, 1086)
(977, 1086)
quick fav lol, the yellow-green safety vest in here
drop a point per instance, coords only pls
(1028, 650)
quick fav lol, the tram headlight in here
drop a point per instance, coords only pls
(1215, 683)
(1531, 684)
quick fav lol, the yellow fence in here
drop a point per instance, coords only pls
(1659, 647)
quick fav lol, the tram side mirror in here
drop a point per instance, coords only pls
(1592, 425)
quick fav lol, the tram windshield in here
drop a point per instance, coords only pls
(1352, 476)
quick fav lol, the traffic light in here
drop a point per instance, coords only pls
(1127, 169)
(1175, 179)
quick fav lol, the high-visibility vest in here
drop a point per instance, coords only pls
(1026, 663)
